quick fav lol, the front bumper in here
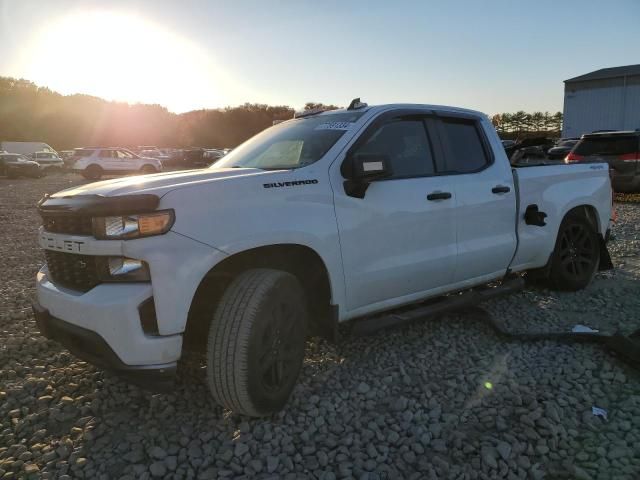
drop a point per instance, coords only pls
(111, 312)
(53, 165)
(90, 346)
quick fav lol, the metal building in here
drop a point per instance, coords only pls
(607, 99)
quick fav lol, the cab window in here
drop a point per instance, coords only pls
(466, 152)
(407, 146)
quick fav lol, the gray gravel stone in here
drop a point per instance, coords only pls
(363, 388)
(272, 463)
(241, 449)
(157, 453)
(504, 449)
(158, 469)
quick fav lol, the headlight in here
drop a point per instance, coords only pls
(123, 269)
(133, 226)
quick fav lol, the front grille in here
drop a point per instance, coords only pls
(71, 224)
(78, 272)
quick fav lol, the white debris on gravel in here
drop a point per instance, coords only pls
(443, 398)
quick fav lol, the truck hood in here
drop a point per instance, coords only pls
(159, 183)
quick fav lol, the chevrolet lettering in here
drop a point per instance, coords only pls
(56, 243)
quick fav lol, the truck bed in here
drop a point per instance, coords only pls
(556, 189)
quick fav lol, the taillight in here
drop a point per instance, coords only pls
(573, 157)
(630, 157)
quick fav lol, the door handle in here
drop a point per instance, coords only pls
(500, 189)
(438, 196)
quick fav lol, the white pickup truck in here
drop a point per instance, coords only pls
(325, 218)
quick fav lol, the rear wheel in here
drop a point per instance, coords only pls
(92, 172)
(576, 255)
(147, 169)
(256, 342)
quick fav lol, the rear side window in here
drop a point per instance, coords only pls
(106, 154)
(83, 153)
(465, 147)
(123, 154)
(607, 145)
(406, 144)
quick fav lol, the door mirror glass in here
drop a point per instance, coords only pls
(367, 167)
(361, 169)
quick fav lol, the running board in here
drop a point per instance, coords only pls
(446, 304)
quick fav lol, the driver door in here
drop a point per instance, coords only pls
(108, 162)
(399, 241)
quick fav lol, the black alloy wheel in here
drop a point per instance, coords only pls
(576, 256)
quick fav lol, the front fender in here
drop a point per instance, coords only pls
(177, 265)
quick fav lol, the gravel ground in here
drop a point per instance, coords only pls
(444, 398)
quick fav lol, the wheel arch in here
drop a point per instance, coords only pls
(300, 260)
(589, 212)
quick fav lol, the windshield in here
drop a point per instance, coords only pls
(292, 144)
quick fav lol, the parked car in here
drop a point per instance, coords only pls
(508, 143)
(562, 149)
(93, 163)
(14, 165)
(620, 149)
(139, 148)
(64, 154)
(26, 148)
(48, 160)
(213, 154)
(325, 218)
(156, 153)
(532, 149)
(194, 158)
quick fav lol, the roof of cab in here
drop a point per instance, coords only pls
(400, 106)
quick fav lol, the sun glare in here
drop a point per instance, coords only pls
(120, 56)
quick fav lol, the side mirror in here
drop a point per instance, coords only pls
(362, 169)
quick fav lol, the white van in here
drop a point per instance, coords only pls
(26, 148)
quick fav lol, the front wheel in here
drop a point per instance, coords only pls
(576, 255)
(147, 169)
(256, 342)
(92, 172)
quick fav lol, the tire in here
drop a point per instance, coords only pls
(92, 172)
(256, 342)
(576, 255)
(148, 169)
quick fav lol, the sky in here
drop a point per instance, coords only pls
(490, 55)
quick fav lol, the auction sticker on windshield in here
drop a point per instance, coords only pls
(334, 126)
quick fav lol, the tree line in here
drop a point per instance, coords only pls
(523, 124)
(32, 113)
